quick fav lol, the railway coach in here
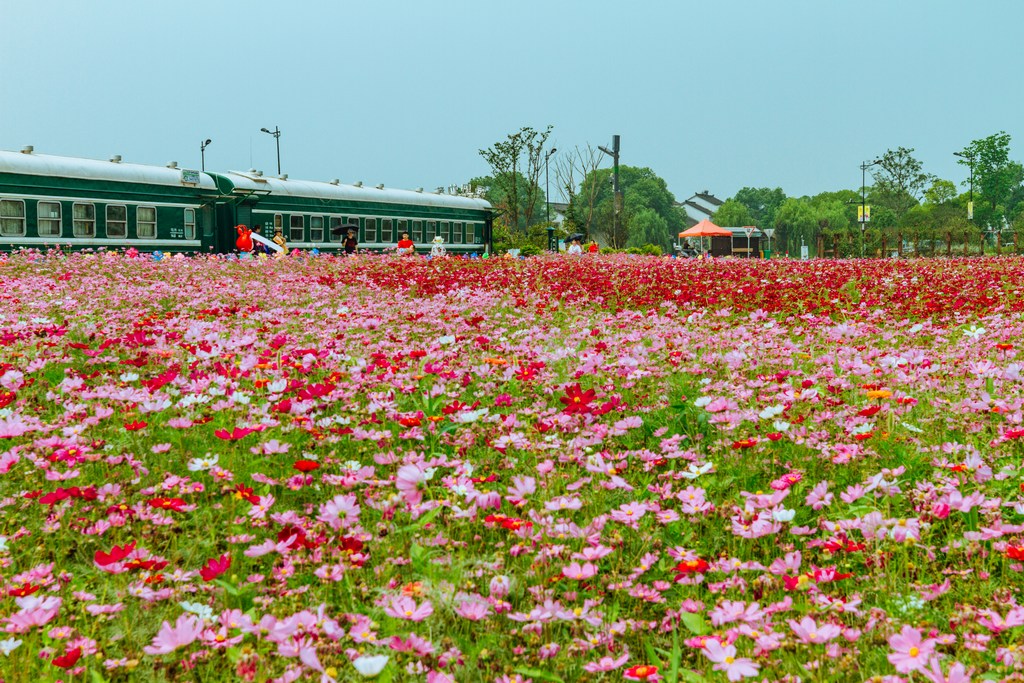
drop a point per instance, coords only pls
(48, 201)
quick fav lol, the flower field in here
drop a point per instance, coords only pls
(592, 469)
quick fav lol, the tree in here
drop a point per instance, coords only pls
(642, 189)
(647, 226)
(498, 195)
(733, 214)
(940, 192)
(899, 181)
(996, 178)
(579, 163)
(796, 225)
(505, 158)
(762, 204)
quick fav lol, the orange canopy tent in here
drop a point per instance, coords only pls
(705, 229)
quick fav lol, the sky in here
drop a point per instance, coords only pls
(714, 95)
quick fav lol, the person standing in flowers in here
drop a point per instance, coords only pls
(574, 249)
(438, 250)
(592, 248)
(351, 242)
(406, 247)
(280, 241)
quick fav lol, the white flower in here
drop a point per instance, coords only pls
(705, 382)
(780, 425)
(910, 427)
(863, 428)
(467, 416)
(128, 377)
(915, 329)
(8, 646)
(3, 543)
(702, 401)
(370, 666)
(277, 386)
(692, 472)
(783, 515)
(202, 611)
(204, 463)
(447, 340)
(974, 332)
(770, 412)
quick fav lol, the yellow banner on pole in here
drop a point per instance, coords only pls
(863, 214)
(970, 211)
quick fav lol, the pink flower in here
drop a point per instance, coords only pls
(725, 660)
(579, 572)
(184, 632)
(957, 673)
(474, 610)
(409, 481)
(340, 512)
(911, 653)
(404, 607)
(810, 632)
(606, 664)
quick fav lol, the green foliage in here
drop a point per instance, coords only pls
(515, 178)
(899, 181)
(647, 227)
(642, 189)
(940, 191)
(733, 214)
(996, 179)
(762, 203)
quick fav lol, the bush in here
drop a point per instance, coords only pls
(636, 251)
(651, 250)
(609, 250)
(530, 249)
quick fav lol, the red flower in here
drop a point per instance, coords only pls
(698, 566)
(641, 672)
(116, 554)
(215, 568)
(27, 589)
(135, 426)
(68, 659)
(236, 433)
(868, 412)
(148, 565)
(306, 465)
(1015, 552)
(161, 503)
(745, 443)
(576, 400)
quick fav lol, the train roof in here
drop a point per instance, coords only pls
(30, 163)
(252, 182)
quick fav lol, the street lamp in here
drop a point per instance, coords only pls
(863, 200)
(970, 202)
(614, 154)
(277, 138)
(202, 151)
(547, 187)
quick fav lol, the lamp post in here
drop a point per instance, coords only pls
(970, 201)
(547, 187)
(277, 138)
(863, 201)
(614, 154)
(202, 152)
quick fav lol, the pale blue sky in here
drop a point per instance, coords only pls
(712, 95)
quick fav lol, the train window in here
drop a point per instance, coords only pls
(12, 218)
(190, 224)
(298, 229)
(316, 228)
(278, 222)
(443, 231)
(117, 221)
(417, 231)
(48, 219)
(385, 229)
(337, 232)
(431, 230)
(457, 237)
(403, 227)
(370, 234)
(145, 222)
(83, 220)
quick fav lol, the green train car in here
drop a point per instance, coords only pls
(50, 201)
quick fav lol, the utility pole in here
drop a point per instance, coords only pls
(614, 154)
